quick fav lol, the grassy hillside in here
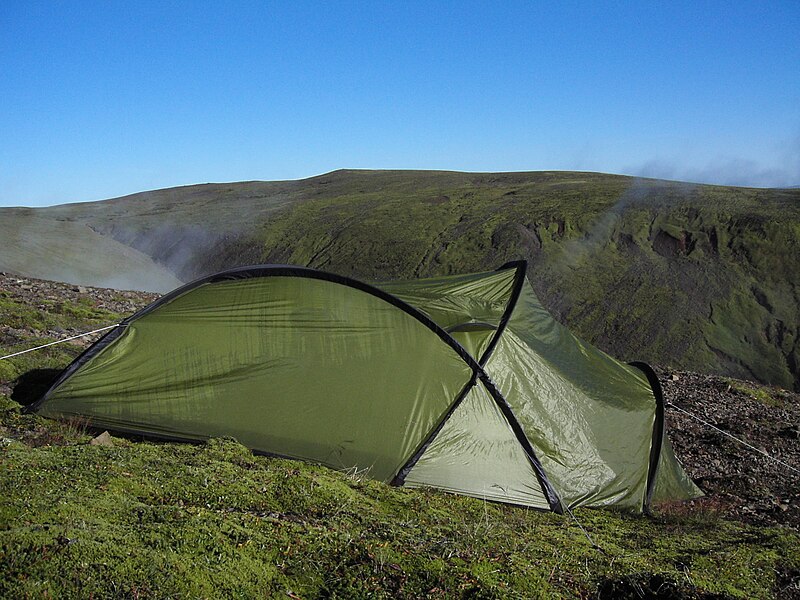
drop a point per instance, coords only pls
(694, 276)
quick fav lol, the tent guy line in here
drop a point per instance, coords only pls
(74, 337)
(722, 431)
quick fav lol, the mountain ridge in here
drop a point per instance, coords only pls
(696, 276)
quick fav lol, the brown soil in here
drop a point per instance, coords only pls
(739, 482)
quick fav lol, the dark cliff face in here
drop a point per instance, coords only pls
(694, 287)
(699, 277)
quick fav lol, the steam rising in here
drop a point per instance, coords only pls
(575, 253)
(731, 170)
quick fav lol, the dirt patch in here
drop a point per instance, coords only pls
(670, 247)
(739, 481)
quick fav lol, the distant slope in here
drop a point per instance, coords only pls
(36, 245)
(695, 276)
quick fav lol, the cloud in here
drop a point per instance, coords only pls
(730, 170)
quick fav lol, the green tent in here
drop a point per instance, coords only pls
(464, 383)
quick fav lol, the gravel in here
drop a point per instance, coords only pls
(739, 481)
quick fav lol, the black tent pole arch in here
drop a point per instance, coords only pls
(478, 372)
(250, 272)
(658, 431)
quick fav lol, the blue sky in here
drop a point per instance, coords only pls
(104, 99)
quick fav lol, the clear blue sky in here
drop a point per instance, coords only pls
(103, 99)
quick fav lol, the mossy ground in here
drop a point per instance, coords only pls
(143, 519)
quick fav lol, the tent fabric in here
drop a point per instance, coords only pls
(465, 455)
(464, 383)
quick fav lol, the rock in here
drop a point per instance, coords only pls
(792, 432)
(104, 439)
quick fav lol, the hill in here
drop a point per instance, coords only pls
(137, 519)
(693, 276)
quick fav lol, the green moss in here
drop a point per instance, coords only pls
(154, 520)
(8, 372)
(771, 396)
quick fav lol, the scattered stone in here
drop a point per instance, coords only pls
(104, 439)
(739, 482)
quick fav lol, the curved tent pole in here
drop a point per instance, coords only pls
(400, 478)
(658, 432)
(520, 276)
(521, 267)
(505, 408)
(250, 272)
(549, 491)
(295, 271)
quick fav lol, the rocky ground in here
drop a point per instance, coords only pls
(37, 293)
(36, 311)
(739, 482)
